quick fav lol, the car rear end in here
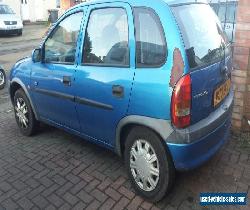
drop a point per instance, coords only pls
(202, 99)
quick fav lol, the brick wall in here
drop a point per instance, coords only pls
(241, 73)
(66, 4)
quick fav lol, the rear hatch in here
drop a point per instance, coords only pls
(209, 56)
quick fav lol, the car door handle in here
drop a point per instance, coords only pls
(67, 80)
(118, 91)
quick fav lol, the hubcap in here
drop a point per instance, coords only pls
(144, 165)
(21, 111)
(2, 79)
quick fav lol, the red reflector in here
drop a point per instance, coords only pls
(177, 69)
(181, 102)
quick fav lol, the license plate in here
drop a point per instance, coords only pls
(221, 92)
(11, 27)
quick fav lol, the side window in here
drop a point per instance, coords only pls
(151, 49)
(106, 38)
(60, 47)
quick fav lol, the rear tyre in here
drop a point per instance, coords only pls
(24, 114)
(149, 164)
(2, 79)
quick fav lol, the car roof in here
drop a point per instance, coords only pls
(133, 2)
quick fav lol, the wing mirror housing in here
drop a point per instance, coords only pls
(37, 55)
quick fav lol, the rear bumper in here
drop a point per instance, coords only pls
(190, 156)
(203, 139)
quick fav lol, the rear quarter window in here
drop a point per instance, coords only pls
(151, 47)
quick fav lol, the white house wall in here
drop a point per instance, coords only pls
(37, 9)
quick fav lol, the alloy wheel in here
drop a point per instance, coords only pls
(21, 111)
(2, 78)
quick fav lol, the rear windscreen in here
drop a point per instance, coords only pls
(202, 34)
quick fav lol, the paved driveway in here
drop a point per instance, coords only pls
(55, 170)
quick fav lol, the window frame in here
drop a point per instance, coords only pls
(52, 31)
(85, 32)
(162, 33)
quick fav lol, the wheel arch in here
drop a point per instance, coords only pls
(163, 128)
(16, 84)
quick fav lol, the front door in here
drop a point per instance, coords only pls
(53, 79)
(105, 74)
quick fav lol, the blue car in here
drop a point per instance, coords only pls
(151, 82)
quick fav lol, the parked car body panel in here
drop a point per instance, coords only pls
(48, 90)
(147, 95)
(98, 108)
(152, 97)
(207, 57)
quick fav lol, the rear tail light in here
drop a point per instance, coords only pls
(181, 102)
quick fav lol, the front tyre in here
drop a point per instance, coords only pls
(20, 32)
(148, 163)
(2, 79)
(24, 114)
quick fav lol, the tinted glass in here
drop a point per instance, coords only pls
(215, 7)
(60, 47)
(222, 12)
(106, 39)
(202, 33)
(230, 13)
(150, 40)
(4, 9)
(227, 12)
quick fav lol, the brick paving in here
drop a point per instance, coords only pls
(56, 170)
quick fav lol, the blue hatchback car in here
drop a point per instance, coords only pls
(150, 81)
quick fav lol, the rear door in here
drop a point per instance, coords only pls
(105, 72)
(208, 54)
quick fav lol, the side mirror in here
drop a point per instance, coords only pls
(37, 55)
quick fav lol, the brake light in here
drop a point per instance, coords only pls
(181, 102)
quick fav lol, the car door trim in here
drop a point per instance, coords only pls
(55, 94)
(88, 102)
(79, 100)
